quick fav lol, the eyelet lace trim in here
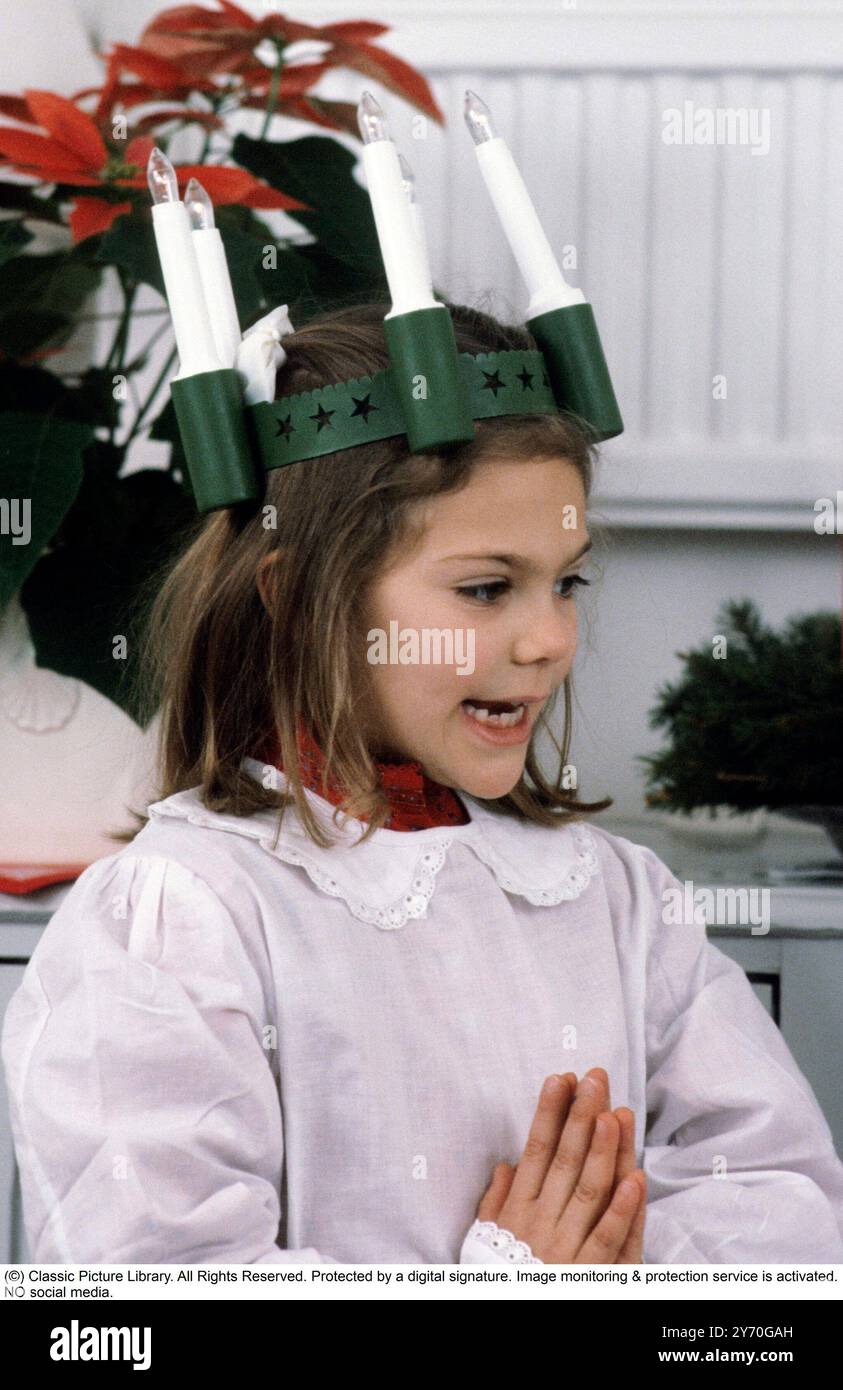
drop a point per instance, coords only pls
(577, 878)
(412, 904)
(507, 1245)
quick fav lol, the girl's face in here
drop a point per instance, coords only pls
(492, 581)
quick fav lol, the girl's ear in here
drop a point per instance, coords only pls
(265, 579)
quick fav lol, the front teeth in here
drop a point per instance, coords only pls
(506, 721)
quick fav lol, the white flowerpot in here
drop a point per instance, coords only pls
(71, 762)
(718, 842)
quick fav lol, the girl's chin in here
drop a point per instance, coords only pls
(487, 783)
(489, 791)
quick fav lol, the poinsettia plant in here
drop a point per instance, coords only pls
(73, 174)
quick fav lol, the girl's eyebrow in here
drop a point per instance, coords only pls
(516, 561)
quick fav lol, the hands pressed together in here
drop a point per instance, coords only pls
(575, 1196)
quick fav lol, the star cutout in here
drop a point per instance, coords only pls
(322, 418)
(493, 383)
(526, 378)
(363, 406)
(285, 428)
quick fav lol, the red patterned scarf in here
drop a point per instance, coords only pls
(417, 802)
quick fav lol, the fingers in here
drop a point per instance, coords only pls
(496, 1193)
(632, 1250)
(540, 1147)
(625, 1163)
(609, 1236)
(593, 1190)
(572, 1149)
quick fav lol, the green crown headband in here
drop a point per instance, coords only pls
(232, 429)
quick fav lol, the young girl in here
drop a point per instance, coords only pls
(370, 984)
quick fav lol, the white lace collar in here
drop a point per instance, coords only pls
(392, 876)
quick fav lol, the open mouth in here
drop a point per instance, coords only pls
(496, 713)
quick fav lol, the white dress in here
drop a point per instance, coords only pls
(230, 1050)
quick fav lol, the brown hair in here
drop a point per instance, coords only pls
(224, 673)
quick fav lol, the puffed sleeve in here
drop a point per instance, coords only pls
(144, 1107)
(739, 1158)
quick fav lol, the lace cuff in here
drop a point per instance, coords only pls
(488, 1243)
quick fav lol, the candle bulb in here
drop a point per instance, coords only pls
(170, 222)
(546, 285)
(213, 272)
(409, 183)
(404, 259)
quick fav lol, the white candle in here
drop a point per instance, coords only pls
(404, 259)
(170, 222)
(409, 184)
(213, 272)
(547, 286)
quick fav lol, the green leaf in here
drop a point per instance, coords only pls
(21, 197)
(40, 473)
(95, 585)
(129, 244)
(13, 236)
(165, 428)
(22, 334)
(243, 253)
(93, 400)
(318, 171)
(287, 281)
(30, 389)
(40, 297)
(56, 283)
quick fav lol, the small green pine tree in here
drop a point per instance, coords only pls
(762, 726)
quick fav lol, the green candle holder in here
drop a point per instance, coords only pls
(425, 371)
(576, 365)
(212, 423)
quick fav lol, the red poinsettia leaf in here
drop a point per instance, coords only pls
(343, 114)
(138, 150)
(393, 73)
(181, 18)
(239, 16)
(332, 115)
(269, 199)
(295, 79)
(203, 61)
(202, 42)
(123, 94)
(186, 114)
(36, 151)
(300, 77)
(69, 126)
(89, 216)
(280, 26)
(47, 174)
(106, 93)
(158, 72)
(226, 184)
(354, 30)
(16, 109)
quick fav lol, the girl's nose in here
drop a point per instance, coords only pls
(547, 636)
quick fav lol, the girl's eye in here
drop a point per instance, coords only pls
(490, 592)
